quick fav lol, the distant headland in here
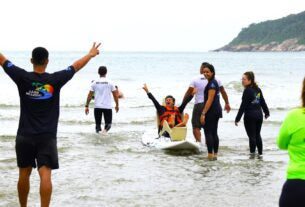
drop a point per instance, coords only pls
(280, 35)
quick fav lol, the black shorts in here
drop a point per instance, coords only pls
(36, 151)
(197, 111)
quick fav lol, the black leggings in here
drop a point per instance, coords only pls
(253, 129)
(210, 132)
(98, 113)
(293, 194)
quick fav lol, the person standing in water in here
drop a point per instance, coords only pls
(199, 83)
(211, 112)
(292, 138)
(102, 90)
(252, 104)
(36, 141)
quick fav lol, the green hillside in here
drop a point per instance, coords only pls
(290, 27)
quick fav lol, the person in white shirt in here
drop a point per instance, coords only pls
(199, 83)
(103, 90)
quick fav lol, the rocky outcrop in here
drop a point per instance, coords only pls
(285, 46)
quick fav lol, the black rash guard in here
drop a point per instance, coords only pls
(252, 104)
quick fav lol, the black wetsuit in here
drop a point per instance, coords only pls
(212, 118)
(252, 104)
(161, 109)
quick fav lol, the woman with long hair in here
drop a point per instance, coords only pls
(252, 104)
(211, 112)
(292, 138)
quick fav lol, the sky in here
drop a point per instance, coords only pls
(133, 25)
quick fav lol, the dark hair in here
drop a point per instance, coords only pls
(40, 55)
(303, 93)
(102, 70)
(204, 64)
(211, 68)
(170, 96)
(250, 75)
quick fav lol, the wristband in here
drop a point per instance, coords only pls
(86, 106)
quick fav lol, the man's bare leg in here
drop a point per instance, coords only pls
(24, 185)
(45, 185)
(197, 134)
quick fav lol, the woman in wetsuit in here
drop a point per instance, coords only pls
(292, 138)
(169, 112)
(252, 104)
(211, 113)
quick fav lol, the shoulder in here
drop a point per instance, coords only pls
(219, 82)
(296, 112)
(198, 78)
(213, 84)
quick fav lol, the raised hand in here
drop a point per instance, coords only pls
(145, 88)
(94, 51)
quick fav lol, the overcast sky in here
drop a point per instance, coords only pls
(133, 25)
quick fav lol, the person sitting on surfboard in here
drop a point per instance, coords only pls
(169, 112)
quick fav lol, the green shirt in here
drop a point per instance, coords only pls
(292, 138)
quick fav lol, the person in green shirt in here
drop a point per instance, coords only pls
(292, 138)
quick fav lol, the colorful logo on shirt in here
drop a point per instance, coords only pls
(257, 99)
(41, 91)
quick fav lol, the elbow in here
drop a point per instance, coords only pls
(281, 145)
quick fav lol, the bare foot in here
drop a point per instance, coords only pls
(211, 157)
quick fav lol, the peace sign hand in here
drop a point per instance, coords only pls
(94, 51)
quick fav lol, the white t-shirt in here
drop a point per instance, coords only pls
(200, 82)
(102, 89)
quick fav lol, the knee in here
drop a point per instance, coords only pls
(24, 173)
(45, 174)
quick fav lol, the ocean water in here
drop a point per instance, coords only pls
(117, 170)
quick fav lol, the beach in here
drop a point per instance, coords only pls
(117, 170)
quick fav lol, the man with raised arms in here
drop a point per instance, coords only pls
(36, 140)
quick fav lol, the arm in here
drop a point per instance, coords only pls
(225, 98)
(79, 64)
(158, 107)
(284, 137)
(264, 105)
(115, 95)
(188, 93)
(89, 98)
(2, 59)
(243, 105)
(208, 104)
(186, 100)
